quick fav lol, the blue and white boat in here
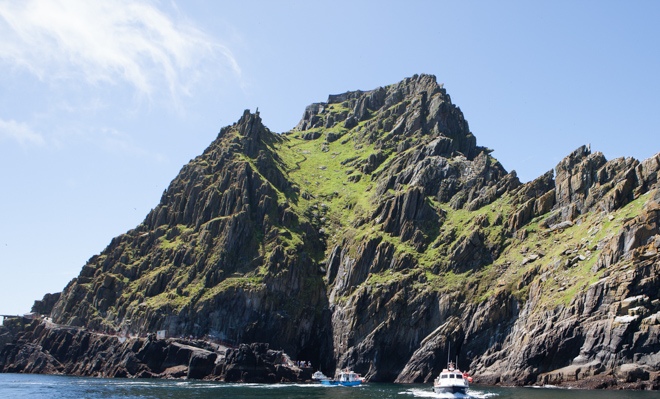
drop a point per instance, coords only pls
(347, 378)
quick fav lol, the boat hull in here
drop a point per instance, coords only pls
(342, 383)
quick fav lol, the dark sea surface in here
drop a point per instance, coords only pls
(16, 386)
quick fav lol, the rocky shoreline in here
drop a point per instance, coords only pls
(38, 347)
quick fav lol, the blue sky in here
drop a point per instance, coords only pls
(102, 103)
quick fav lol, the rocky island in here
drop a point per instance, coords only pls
(374, 235)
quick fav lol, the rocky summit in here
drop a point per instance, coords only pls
(375, 235)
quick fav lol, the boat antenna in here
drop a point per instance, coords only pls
(449, 354)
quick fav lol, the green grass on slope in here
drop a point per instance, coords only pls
(563, 258)
(559, 261)
(319, 169)
(334, 189)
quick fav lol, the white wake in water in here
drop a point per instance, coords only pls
(428, 393)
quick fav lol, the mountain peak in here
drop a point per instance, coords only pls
(401, 115)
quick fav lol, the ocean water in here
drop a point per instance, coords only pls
(18, 386)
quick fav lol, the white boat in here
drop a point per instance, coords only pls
(451, 380)
(347, 378)
(319, 376)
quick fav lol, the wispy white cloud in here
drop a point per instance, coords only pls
(108, 140)
(122, 144)
(20, 132)
(110, 41)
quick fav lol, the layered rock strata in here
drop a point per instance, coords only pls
(44, 348)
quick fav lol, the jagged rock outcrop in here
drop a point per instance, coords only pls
(586, 180)
(533, 199)
(374, 235)
(45, 305)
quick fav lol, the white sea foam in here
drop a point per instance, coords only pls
(428, 393)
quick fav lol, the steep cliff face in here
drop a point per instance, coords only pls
(222, 255)
(376, 233)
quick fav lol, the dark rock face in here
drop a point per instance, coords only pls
(45, 306)
(374, 235)
(44, 348)
(586, 180)
(257, 363)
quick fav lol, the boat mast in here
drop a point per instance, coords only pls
(448, 354)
